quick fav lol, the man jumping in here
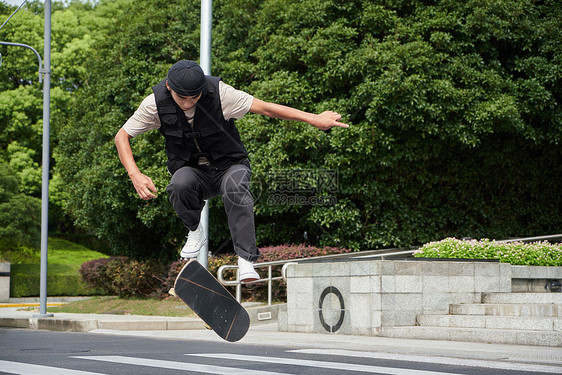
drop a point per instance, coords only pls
(195, 113)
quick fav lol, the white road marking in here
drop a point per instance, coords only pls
(28, 369)
(324, 364)
(193, 367)
(513, 366)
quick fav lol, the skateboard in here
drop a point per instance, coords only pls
(211, 301)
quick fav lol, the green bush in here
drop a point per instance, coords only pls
(516, 253)
(20, 216)
(62, 280)
(135, 278)
(22, 255)
(94, 273)
(124, 276)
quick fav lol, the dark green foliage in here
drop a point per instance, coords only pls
(455, 130)
(20, 215)
(142, 43)
(454, 106)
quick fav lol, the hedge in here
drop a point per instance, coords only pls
(62, 280)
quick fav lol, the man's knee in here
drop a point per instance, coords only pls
(236, 186)
(183, 180)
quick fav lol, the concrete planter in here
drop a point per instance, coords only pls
(4, 282)
(361, 297)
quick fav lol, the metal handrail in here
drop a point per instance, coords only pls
(533, 239)
(286, 263)
(238, 283)
(361, 255)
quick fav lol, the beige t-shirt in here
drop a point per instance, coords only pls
(235, 104)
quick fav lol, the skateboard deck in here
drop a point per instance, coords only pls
(211, 301)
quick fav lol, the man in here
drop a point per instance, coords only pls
(206, 158)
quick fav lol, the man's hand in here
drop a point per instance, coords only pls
(327, 120)
(144, 186)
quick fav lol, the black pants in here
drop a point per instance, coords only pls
(190, 187)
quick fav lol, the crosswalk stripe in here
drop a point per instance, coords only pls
(28, 369)
(206, 369)
(324, 364)
(513, 366)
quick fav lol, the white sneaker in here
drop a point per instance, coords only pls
(247, 271)
(196, 239)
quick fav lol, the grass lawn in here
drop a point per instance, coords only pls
(64, 261)
(66, 252)
(114, 305)
(59, 252)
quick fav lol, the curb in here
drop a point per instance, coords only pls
(90, 322)
(111, 322)
(54, 304)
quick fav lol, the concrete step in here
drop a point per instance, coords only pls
(508, 309)
(492, 322)
(525, 298)
(495, 336)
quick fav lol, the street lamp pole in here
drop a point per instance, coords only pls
(46, 70)
(45, 173)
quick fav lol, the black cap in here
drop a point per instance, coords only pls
(186, 78)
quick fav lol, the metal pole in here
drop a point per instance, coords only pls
(45, 177)
(205, 62)
(206, 35)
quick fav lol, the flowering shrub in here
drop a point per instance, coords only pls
(128, 277)
(124, 276)
(516, 253)
(256, 291)
(287, 252)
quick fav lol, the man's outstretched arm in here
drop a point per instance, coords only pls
(323, 121)
(143, 184)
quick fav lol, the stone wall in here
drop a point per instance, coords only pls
(4, 282)
(361, 296)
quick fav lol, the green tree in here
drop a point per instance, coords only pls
(140, 46)
(20, 214)
(74, 28)
(454, 133)
(455, 108)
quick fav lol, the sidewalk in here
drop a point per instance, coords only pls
(267, 334)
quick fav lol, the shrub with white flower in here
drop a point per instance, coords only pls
(517, 253)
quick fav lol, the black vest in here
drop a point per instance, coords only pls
(218, 139)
